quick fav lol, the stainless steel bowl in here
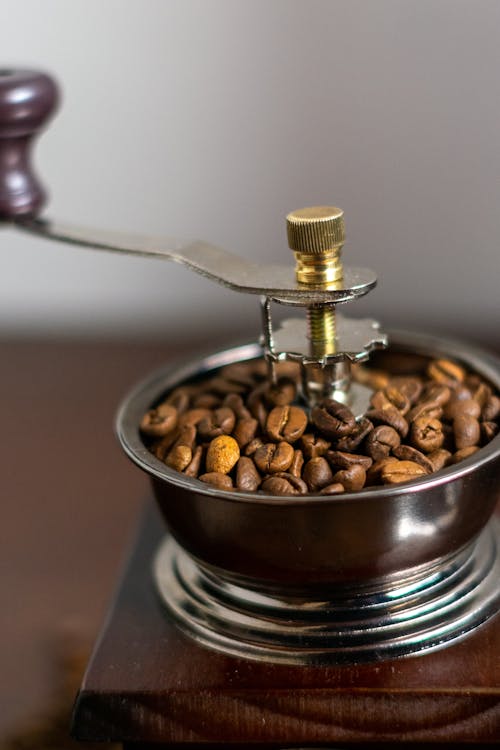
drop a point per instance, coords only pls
(367, 544)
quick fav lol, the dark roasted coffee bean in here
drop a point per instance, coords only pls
(401, 471)
(286, 423)
(489, 430)
(247, 477)
(245, 430)
(193, 467)
(317, 473)
(333, 419)
(467, 431)
(216, 479)
(296, 482)
(491, 409)
(297, 464)
(446, 372)
(407, 453)
(235, 402)
(391, 396)
(437, 393)
(313, 445)
(333, 489)
(279, 486)
(352, 442)
(391, 416)
(439, 458)
(342, 460)
(219, 422)
(274, 457)
(352, 479)
(455, 407)
(160, 421)
(427, 434)
(381, 441)
(425, 409)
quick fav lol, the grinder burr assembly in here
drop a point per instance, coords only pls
(393, 548)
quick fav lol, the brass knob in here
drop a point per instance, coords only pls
(316, 236)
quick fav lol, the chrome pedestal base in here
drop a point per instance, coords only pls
(345, 625)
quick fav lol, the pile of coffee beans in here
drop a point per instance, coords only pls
(237, 431)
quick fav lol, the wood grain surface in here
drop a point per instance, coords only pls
(149, 683)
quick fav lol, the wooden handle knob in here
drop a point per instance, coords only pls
(27, 100)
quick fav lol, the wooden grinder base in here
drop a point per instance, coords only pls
(148, 683)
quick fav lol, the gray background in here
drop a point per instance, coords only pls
(214, 118)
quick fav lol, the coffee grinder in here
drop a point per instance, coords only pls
(365, 618)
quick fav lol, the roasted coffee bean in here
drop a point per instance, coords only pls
(219, 422)
(407, 453)
(193, 416)
(427, 434)
(391, 396)
(217, 479)
(446, 372)
(455, 407)
(489, 430)
(317, 473)
(463, 453)
(297, 463)
(222, 386)
(333, 419)
(296, 482)
(389, 415)
(482, 393)
(374, 379)
(374, 473)
(206, 401)
(179, 398)
(281, 393)
(179, 457)
(425, 409)
(273, 457)
(193, 467)
(286, 423)
(491, 409)
(281, 485)
(245, 431)
(256, 406)
(467, 431)
(235, 402)
(342, 460)
(222, 454)
(352, 479)
(313, 445)
(333, 489)
(352, 442)
(401, 471)
(409, 386)
(240, 374)
(381, 441)
(160, 421)
(247, 477)
(253, 446)
(437, 393)
(439, 458)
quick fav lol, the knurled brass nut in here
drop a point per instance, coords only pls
(315, 230)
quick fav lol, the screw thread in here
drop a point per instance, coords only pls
(322, 329)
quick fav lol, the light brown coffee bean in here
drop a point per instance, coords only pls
(381, 441)
(374, 473)
(427, 434)
(343, 460)
(350, 443)
(491, 409)
(333, 489)
(193, 467)
(445, 371)
(206, 401)
(463, 453)
(411, 387)
(217, 479)
(352, 479)
(222, 386)
(439, 458)
(407, 453)
(286, 423)
(317, 473)
(179, 457)
(455, 407)
(253, 446)
(160, 421)
(222, 454)
(296, 482)
(466, 430)
(374, 379)
(193, 416)
(255, 404)
(240, 373)
(245, 431)
(179, 398)
(247, 477)
(482, 393)
(333, 419)
(235, 402)
(389, 415)
(297, 464)
(281, 393)
(391, 396)
(161, 447)
(425, 409)
(219, 422)
(273, 457)
(313, 445)
(401, 471)
(437, 393)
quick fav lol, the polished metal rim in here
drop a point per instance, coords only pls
(342, 625)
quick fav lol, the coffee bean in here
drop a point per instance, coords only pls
(374, 473)
(439, 458)
(179, 457)
(467, 431)
(281, 393)
(481, 393)
(391, 396)
(193, 416)
(333, 419)
(333, 489)
(352, 442)
(374, 379)
(247, 477)
(217, 479)
(235, 402)
(313, 445)
(410, 387)
(219, 422)
(437, 393)
(296, 482)
(206, 401)
(273, 457)
(297, 463)
(238, 373)
(352, 479)
(491, 409)
(255, 403)
(286, 423)
(342, 460)
(445, 371)
(222, 454)
(429, 409)
(489, 430)
(222, 386)
(278, 486)
(407, 453)
(401, 471)
(427, 434)
(160, 421)
(193, 467)
(463, 453)
(381, 441)
(389, 415)
(317, 473)
(253, 446)
(245, 430)
(179, 398)
(455, 407)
